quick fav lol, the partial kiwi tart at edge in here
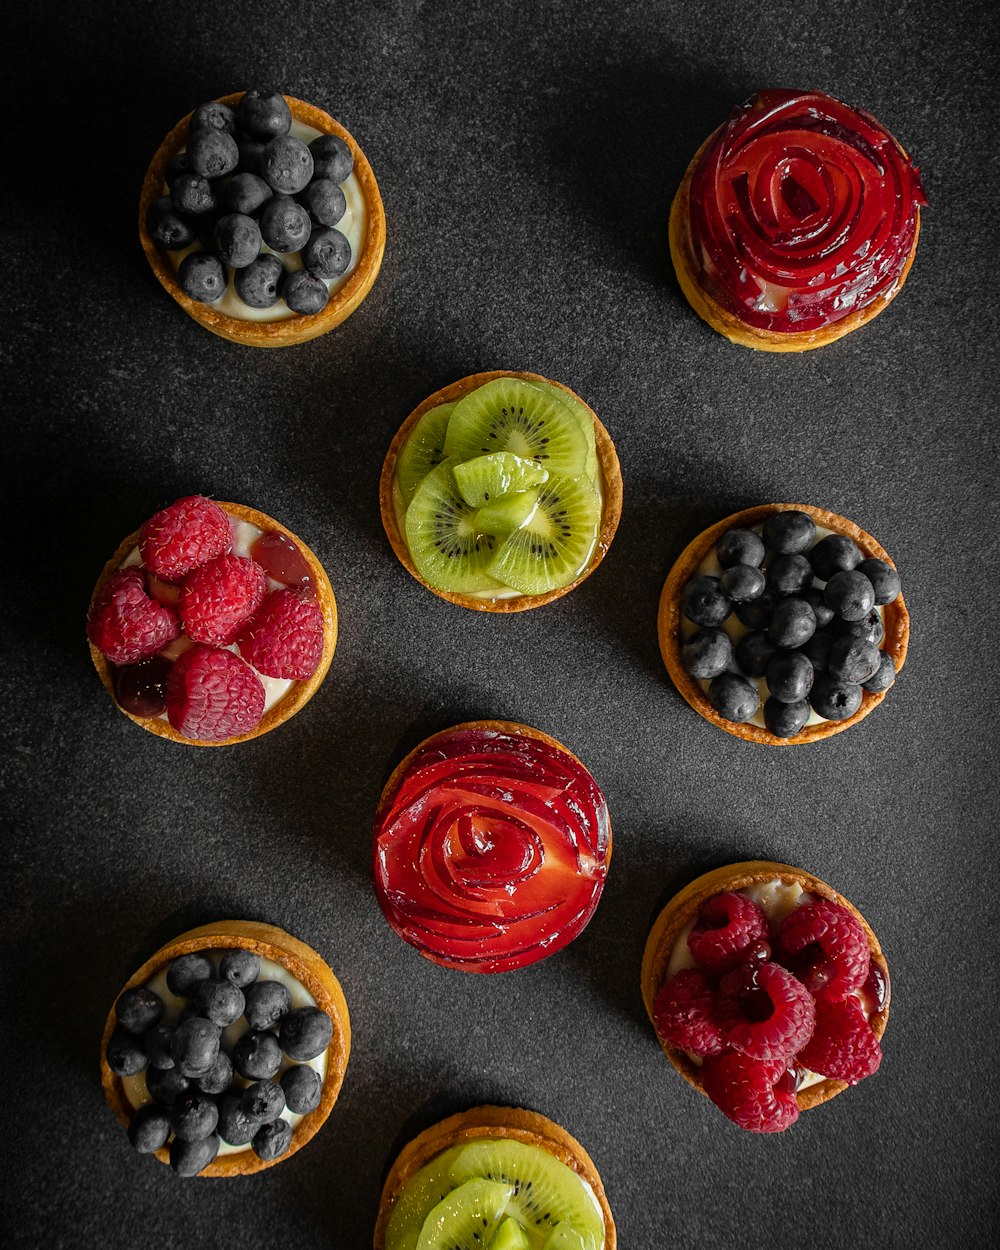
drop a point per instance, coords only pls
(501, 492)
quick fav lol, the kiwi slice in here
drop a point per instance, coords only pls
(506, 514)
(554, 546)
(467, 1218)
(485, 478)
(510, 1236)
(566, 1236)
(584, 416)
(421, 1194)
(510, 415)
(448, 550)
(422, 451)
(545, 1192)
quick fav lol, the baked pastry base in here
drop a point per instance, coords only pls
(308, 967)
(300, 693)
(611, 492)
(729, 325)
(528, 1127)
(683, 907)
(896, 620)
(289, 330)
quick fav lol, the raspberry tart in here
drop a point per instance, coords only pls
(491, 847)
(796, 222)
(225, 1052)
(497, 1178)
(212, 624)
(768, 991)
(783, 624)
(501, 492)
(261, 217)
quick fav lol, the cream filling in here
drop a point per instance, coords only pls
(135, 1086)
(352, 224)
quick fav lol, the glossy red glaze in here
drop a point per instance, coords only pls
(492, 852)
(802, 211)
(281, 559)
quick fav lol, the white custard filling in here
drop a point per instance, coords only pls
(135, 1086)
(352, 225)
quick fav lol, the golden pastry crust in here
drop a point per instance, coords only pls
(528, 1127)
(611, 490)
(729, 325)
(896, 620)
(301, 691)
(683, 907)
(290, 330)
(308, 968)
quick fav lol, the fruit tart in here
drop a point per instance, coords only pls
(225, 1052)
(796, 222)
(261, 217)
(783, 624)
(501, 492)
(494, 1178)
(491, 847)
(768, 991)
(212, 624)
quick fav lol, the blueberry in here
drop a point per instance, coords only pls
(305, 1033)
(193, 195)
(195, 1045)
(286, 165)
(166, 1085)
(853, 659)
(742, 583)
(240, 967)
(257, 285)
(202, 277)
(271, 1141)
(303, 1088)
(139, 1009)
(156, 1044)
(789, 676)
(125, 1053)
(850, 594)
(703, 602)
(789, 532)
(733, 697)
(285, 225)
(177, 165)
(303, 293)
(263, 114)
(327, 254)
(193, 1116)
(789, 575)
(817, 649)
(324, 201)
(188, 1158)
(213, 116)
(220, 1001)
(219, 1076)
(757, 613)
(149, 1128)
(793, 623)
(740, 546)
(251, 150)
(813, 595)
(245, 193)
(707, 653)
(235, 1127)
(212, 153)
(266, 1003)
(332, 158)
(832, 554)
(883, 577)
(168, 227)
(835, 700)
(263, 1101)
(884, 677)
(257, 1055)
(785, 720)
(753, 653)
(237, 239)
(870, 628)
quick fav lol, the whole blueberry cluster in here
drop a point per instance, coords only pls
(243, 184)
(813, 628)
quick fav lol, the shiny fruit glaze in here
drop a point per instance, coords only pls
(281, 559)
(802, 211)
(492, 851)
(142, 688)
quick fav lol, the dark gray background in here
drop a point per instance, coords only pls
(527, 155)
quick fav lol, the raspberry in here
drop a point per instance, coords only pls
(126, 624)
(726, 926)
(219, 597)
(745, 1090)
(765, 1012)
(843, 1045)
(285, 638)
(684, 1014)
(190, 532)
(826, 948)
(213, 695)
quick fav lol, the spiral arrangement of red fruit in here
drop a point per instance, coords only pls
(802, 211)
(492, 851)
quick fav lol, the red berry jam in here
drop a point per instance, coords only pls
(281, 559)
(142, 688)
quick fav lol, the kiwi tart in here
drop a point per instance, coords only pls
(494, 1178)
(501, 492)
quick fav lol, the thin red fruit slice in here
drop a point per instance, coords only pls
(282, 560)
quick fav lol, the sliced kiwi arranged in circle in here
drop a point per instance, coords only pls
(420, 1195)
(583, 414)
(510, 415)
(554, 546)
(506, 514)
(485, 478)
(467, 1218)
(445, 545)
(510, 1236)
(422, 451)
